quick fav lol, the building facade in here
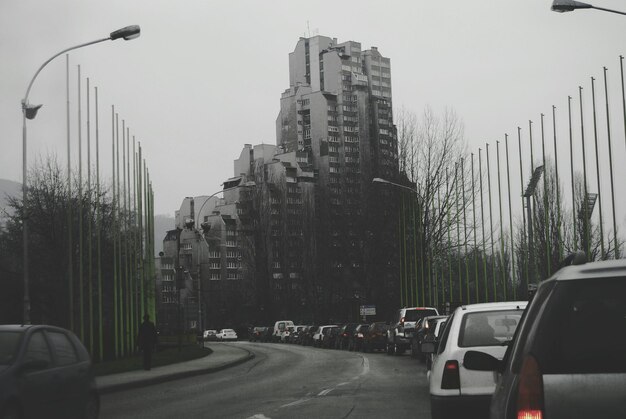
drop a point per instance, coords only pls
(300, 231)
(337, 114)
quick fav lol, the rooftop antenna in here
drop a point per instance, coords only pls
(308, 29)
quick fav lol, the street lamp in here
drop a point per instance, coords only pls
(529, 193)
(381, 180)
(562, 6)
(30, 112)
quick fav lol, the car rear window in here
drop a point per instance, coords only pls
(9, 342)
(488, 328)
(584, 330)
(64, 349)
(415, 315)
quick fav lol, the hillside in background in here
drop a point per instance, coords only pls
(162, 223)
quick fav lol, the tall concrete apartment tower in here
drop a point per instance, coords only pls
(338, 111)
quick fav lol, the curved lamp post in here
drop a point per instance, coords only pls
(562, 6)
(30, 112)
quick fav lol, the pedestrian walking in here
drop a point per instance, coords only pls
(147, 341)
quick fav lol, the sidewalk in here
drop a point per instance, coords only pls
(223, 356)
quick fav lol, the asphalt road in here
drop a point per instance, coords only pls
(287, 381)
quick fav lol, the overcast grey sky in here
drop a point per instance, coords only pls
(205, 77)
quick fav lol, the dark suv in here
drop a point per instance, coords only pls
(568, 357)
(402, 328)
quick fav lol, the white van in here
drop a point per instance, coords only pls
(279, 328)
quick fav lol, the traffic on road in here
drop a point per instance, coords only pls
(561, 355)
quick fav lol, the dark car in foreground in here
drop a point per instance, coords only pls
(45, 372)
(568, 358)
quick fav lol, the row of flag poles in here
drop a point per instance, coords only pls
(481, 260)
(109, 291)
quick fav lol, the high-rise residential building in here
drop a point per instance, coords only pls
(337, 113)
(301, 232)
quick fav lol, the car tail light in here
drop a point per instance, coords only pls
(530, 390)
(402, 320)
(450, 379)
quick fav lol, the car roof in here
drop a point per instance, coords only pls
(493, 306)
(613, 268)
(26, 327)
(418, 308)
(15, 327)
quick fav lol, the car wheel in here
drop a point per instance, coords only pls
(390, 349)
(92, 407)
(11, 411)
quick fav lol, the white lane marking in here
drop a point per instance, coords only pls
(366, 369)
(297, 402)
(325, 392)
(342, 384)
(366, 366)
(259, 416)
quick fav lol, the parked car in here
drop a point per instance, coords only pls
(376, 337)
(306, 337)
(403, 326)
(45, 371)
(286, 334)
(422, 328)
(568, 358)
(456, 391)
(433, 336)
(266, 336)
(279, 328)
(210, 335)
(226, 334)
(295, 335)
(257, 333)
(329, 337)
(356, 343)
(345, 335)
(319, 333)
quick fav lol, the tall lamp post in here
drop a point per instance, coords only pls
(562, 6)
(30, 112)
(387, 182)
(529, 193)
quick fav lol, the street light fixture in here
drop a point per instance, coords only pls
(381, 180)
(30, 112)
(563, 6)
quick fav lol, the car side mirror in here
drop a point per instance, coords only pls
(428, 347)
(34, 365)
(480, 361)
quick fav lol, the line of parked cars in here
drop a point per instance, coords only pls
(561, 355)
(221, 335)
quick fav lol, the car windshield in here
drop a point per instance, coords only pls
(415, 315)
(9, 342)
(488, 328)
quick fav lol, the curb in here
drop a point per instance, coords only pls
(112, 388)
